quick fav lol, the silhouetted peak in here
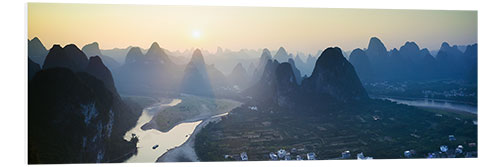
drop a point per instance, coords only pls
(133, 55)
(36, 40)
(93, 45)
(197, 57)
(281, 51)
(411, 46)
(68, 57)
(376, 48)
(445, 45)
(282, 55)
(335, 76)
(36, 51)
(155, 45)
(71, 47)
(266, 53)
(394, 52)
(329, 56)
(155, 50)
(471, 50)
(375, 41)
(135, 51)
(55, 48)
(357, 51)
(197, 53)
(425, 52)
(92, 49)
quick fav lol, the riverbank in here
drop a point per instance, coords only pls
(433, 103)
(186, 152)
(191, 109)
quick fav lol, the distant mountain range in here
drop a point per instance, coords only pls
(412, 63)
(160, 69)
(153, 71)
(74, 100)
(333, 78)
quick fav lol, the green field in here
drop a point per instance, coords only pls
(379, 129)
(192, 107)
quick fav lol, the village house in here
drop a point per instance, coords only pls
(311, 156)
(346, 154)
(244, 156)
(273, 156)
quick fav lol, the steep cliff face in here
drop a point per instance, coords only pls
(70, 117)
(296, 71)
(286, 85)
(97, 68)
(75, 114)
(333, 80)
(335, 76)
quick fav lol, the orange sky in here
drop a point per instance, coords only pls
(297, 29)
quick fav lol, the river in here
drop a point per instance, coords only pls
(165, 140)
(434, 103)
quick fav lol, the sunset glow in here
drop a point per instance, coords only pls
(297, 29)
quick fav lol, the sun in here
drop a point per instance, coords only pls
(196, 34)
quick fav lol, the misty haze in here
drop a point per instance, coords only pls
(190, 83)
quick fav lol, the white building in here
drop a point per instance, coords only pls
(451, 137)
(407, 154)
(346, 154)
(244, 156)
(311, 156)
(362, 157)
(443, 148)
(288, 157)
(459, 150)
(281, 153)
(273, 156)
(254, 108)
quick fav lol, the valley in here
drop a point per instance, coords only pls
(380, 129)
(171, 123)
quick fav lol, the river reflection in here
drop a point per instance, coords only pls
(435, 104)
(165, 140)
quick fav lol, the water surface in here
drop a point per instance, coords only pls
(435, 103)
(151, 137)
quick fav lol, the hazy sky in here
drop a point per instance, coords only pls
(297, 29)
